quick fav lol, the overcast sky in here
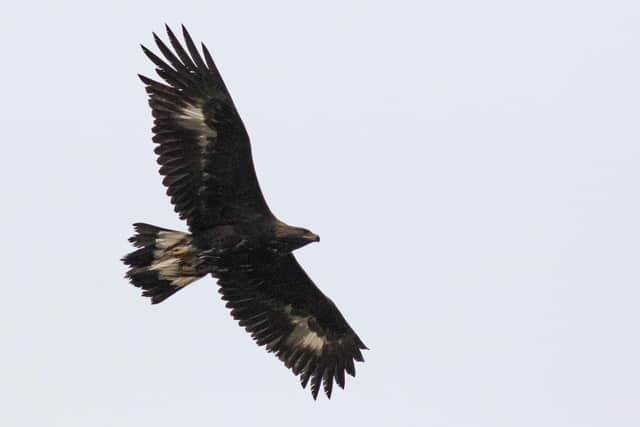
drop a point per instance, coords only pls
(471, 166)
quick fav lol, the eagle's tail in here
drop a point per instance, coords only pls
(165, 263)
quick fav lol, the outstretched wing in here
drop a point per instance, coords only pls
(203, 148)
(278, 304)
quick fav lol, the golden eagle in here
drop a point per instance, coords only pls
(205, 158)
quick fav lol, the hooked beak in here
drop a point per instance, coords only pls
(312, 237)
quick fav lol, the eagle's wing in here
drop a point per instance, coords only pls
(203, 148)
(278, 304)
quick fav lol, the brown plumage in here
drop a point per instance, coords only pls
(205, 159)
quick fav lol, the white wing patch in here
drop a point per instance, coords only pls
(303, 336)
(192, 117)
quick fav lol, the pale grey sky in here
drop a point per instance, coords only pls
(472, 168)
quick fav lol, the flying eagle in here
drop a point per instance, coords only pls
(205, 158)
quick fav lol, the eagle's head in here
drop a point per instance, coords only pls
(291, 238)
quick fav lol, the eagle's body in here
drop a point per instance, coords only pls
(205, 157)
